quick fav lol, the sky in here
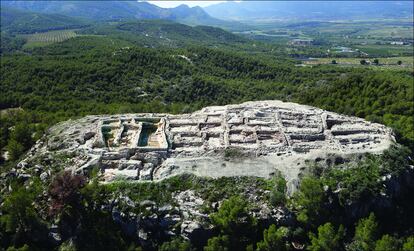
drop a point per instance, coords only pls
(171, 4)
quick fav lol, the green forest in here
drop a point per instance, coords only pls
(88, 75)
(112, 68)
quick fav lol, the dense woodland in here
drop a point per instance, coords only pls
(92, 75)
(114, 71)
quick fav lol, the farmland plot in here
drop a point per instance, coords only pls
(390, 63)
(46, 38)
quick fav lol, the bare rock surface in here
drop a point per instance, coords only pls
(248, 139)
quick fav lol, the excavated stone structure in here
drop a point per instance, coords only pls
(253, 138)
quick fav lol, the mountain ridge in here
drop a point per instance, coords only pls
(18, 21)
(116, 10)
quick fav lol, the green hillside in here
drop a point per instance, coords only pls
(180, 32)
(161, 33)
(15, 21)
(102, 70)
(147, 33)
(118, 10)
(59, 184)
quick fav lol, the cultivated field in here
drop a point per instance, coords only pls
(46, 38)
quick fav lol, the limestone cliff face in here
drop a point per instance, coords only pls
(253, 138)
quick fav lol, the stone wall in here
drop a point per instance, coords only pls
(253, 138)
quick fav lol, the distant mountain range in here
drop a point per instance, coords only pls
(116, 10)
(316, 10)
(145, 32)
(29, 16)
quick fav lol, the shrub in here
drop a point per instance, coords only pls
(233, 219)
(219, 243)
(309, 201)
(387, 243)
(278, 191)
(176, 244)
(274, 239)
(15, 150)
(327, 239)
(366, 233)
(64, 192)
(408, 244)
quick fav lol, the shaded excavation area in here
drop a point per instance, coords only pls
(140, 133)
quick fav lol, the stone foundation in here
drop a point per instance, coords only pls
(263, 136)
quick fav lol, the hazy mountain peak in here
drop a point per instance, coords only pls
(113, 10)
(326, 10)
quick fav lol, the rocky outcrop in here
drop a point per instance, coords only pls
(253, 138)
(185, 216)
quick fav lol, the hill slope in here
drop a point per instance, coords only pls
(115, 10)
(175, 32)
(17, 21)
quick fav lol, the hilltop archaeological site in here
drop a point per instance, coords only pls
(249, 139)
